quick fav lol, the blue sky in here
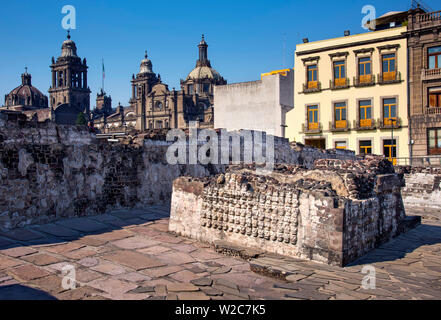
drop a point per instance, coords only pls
(245, 38)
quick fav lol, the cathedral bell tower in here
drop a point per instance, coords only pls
(142, 85)
(69, 90)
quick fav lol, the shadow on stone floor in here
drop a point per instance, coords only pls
(71, 229)
(20, 292)
(399, 247)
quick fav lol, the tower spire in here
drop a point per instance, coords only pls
(68, 34)
(203, 55)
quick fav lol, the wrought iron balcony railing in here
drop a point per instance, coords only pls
(365, 124)
(389, 123)
(364, 81)
(314, 127)
(339, 83)
(389, 77)
(312, 86)
(336, 126)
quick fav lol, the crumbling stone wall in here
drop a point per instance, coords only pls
(423, 186)
(49, 171)
(323, 214)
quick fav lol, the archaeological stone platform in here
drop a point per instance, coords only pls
(332, 214)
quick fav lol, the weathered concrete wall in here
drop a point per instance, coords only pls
(331, 216)
(48, 172)
(423, 186)
(257, 105)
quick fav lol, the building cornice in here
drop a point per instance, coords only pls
(339, 54)
(352, 44)
(311, 59)
(388, 47)
(364, 50)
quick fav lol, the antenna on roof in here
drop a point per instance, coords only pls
(415, 4)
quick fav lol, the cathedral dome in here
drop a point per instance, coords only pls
(203, 68)
(69, 48)
(26, 95)
(204, 72)
(146, 65)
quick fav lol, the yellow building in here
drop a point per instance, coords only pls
(351, 93)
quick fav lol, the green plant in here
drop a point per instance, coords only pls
(81, 119)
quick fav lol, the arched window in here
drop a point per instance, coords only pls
(159, 105)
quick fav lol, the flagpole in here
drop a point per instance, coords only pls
(103, 76)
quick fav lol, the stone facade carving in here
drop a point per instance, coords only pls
(344, 210)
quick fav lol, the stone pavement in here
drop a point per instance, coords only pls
(130, 255)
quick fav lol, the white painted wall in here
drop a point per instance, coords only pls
(257, 105)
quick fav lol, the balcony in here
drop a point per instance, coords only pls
(364, 81)
(430, 74)
(312, 86)
(391, 123)
(429, 17)
(432, 110)
(339, 126)
(389, 77)
(365, 124)
(339, 84)
(312, 127)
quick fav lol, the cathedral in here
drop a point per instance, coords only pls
(154, 106)
(69, 94)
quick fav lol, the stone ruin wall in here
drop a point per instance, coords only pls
(332, 215)
(48, 172)
(423, 186)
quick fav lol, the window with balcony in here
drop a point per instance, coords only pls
(434, 57)
(313, 123)
(365, 147)
(390, 112)
(390, 150)
(365, 70)
(312, 82)
(341, 145)
(434, 141)
(339, 73)
(365, 112)
(340, 112)
(389, 67)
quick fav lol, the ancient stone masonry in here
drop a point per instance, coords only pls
(423, 186)
(50, 171)
(333, 214)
